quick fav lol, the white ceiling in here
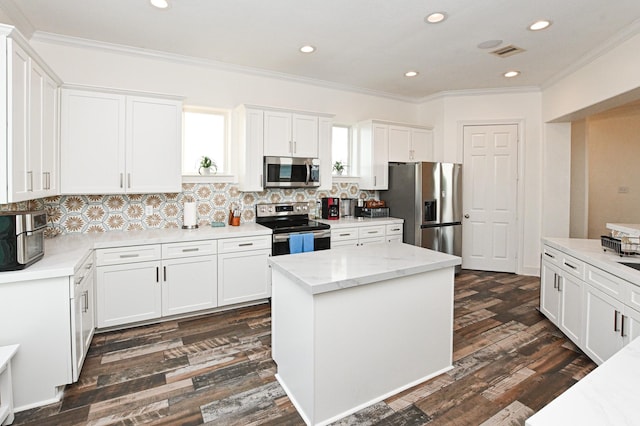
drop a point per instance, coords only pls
(361, 44)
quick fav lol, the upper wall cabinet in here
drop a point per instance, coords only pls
(115, 142)
(373, 140)
(289, 134)
(407, 144)
(260, 132)
(29, 147)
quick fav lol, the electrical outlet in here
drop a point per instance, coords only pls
(148, 210)
(623, 190)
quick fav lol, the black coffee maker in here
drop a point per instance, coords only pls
(330, 208)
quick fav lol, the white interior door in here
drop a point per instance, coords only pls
(490, 181)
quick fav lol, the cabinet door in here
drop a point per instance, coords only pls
(189, 284)
(630, 329)
(243, 276)
(344, 243)
(325, 132)
(36, 128)
(77, 344)
(20, 179)
(248, 149)
(422, 145)
(400, 144)
(50, 141)
(92, 143)
(571, 308)
(88, 310)
(128, 293)
(602, 317)
(373, 240)
(153, 145)
(277, 134)
(549, 294)
(304, 135)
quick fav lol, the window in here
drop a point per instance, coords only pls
(342, 150)
(205, 134)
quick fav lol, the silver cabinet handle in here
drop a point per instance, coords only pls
(570, 265)
(78, 280)
(295, 147)
(190, 249)
(44, 180)
(375, 180)
(126, 256)
(128, 180)
(291, 147)
(395, 229)
(344, 235)
(549, 255)
(555, 281)
(85, 301)
(622, 326)
(30, 174)
(121, 180)
(245, 244)
(88, 266)
(615, 320)
(157, 274)
(164, 270)
(372, 232)
(559, 283)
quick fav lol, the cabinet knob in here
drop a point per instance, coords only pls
(466, 216)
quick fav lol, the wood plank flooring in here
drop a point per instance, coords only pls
(509, 361)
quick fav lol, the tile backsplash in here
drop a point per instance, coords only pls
(101, 213)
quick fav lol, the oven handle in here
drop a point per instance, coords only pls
(323, 233)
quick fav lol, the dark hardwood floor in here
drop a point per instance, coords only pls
(509, 361)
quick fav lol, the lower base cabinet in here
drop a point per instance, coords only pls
(366, 234)
(189, 284)
(243, 270)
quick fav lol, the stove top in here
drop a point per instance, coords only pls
(287, 217)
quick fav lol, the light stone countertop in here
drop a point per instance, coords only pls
(591, 251)
(349, 222)
(606, 396)
(64, 254)
(630, 229)
(329, 270)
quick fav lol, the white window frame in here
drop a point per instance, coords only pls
(352, 168)
(221, 176)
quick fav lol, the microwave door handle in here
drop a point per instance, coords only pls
(308, 174)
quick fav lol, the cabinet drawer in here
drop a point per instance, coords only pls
(188, 249)
(230, 245)
(344, 234)
(371, 231)
(572, 265)
(134, 254)
(394, 229)
(85, 270)
(606, 282)
(634, 296)
(551, 255)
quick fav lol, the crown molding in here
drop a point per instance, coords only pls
(616, 40)
(481, 92)
(45, 37)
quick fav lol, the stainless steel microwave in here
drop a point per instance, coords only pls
(21, 238)
(288, 172)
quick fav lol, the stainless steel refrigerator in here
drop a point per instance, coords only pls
(428, 196)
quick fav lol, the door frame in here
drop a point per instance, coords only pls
(520, 123)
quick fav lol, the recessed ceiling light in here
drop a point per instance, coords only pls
(411, 73)
(307, 49)
(160, 4)
(510, 74)
(540, 25)
(435, 17)
(489, 44)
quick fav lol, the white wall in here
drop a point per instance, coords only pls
(523, 108)
(203, 85)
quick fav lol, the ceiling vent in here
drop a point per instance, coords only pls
(506, 51)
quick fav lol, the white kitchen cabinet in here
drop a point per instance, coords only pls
(394, 232)
(602, 315)
(364, 234)
(243, 271)
(373, 143)
(289, 134)
(30, 148)
(408, 144)
(325, 137)
(371, 234)
(82, 314)
(118, 142)
(248, 148)
(561, 292)
(189, 277)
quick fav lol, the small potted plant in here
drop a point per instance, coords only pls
(207, 166)
(339, 167)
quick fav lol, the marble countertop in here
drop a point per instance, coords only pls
(329, 270)
(591, 251)
(64, 254)
(606, 396)
(349, 222)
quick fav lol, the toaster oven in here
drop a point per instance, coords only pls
(21, 238)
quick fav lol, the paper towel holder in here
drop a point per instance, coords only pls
(190, 226)
(189, 210)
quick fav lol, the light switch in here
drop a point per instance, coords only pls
(623, 190)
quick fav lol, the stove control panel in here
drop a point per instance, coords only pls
(282, 209)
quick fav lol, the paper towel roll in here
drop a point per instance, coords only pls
(189, 213)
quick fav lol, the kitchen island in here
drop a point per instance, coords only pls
(351, 327)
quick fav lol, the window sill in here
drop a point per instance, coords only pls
(217, 178)
(345, 178)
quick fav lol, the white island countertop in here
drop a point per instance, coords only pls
(606, 396)
(348, 222)
(329, 270)
(63, 254)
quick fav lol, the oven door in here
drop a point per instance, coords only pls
(286, 172)
(321, 241)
